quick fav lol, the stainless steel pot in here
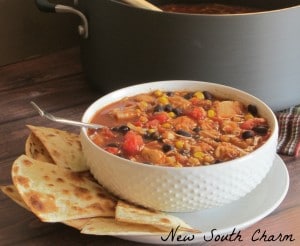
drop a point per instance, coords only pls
(256, 52)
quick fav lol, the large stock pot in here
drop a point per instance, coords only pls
(256, 52)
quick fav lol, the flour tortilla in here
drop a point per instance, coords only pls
(109, 226)
(129, 213)
(12, 192)
(63, 147)
(78, 223)
(36, 150)
(55, 194)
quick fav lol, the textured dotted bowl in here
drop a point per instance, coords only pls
(183, 189)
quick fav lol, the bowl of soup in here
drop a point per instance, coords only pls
(180, 146)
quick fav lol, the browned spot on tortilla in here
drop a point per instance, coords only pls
(46, 177)
(22, 181)
(165, 220)
(82, 193)
(96, 206)
(27, 163)
(9, 189)
(78, 209)
(15, 169)
(75, 177)
(41, 203)
(64, 191)
(51, 185)
(60, 180)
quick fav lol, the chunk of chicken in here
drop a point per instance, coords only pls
(179, 102)
(153, 155)
(228, 109)
(126, 113)
(184, 123)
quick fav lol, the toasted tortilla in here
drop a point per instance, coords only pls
(129, 213)
(55, 194)
(77, 224)
(63, 147)
(36, 150)
(12, 192)
(109, 226)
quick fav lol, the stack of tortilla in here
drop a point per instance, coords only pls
(52, 181)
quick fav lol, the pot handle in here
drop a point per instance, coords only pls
(46, 6)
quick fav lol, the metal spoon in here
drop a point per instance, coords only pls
(142, 4)
(49, 116)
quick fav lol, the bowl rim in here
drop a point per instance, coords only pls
(274, 132)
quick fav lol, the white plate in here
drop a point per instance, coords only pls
(235, 216)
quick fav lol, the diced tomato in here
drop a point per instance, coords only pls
(249, 124)
(137, 123)
(152, 124)
(133, 143)
(197, 113)
(162, 117)
(113, 150)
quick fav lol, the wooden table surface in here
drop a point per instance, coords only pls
(57, 82)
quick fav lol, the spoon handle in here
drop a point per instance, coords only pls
(51, 117)
(142, 4)
(75, 123)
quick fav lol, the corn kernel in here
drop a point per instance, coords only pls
(179, 144)
(163, 100)
(158, 93)
(199, 95)
(172, 114)
(249, 116)
(144, 104)
(167, 125)
(151, 130)
(198, 155)
(211, 113)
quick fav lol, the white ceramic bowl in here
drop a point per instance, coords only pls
(182, 189)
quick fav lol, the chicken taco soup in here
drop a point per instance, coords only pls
(179, 128)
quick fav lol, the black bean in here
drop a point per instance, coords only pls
(183, 133)
(112, 145)
(170, 93)
(252, 109)
(177, 111)
(247, 134)
(261, 130)
(189, 95)
(158, 108)
(168, 108)
(197, 129)
(208, 95)
(124, 129)
(147, 135)
(153, 136)
(167, 148)
(185, 152)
